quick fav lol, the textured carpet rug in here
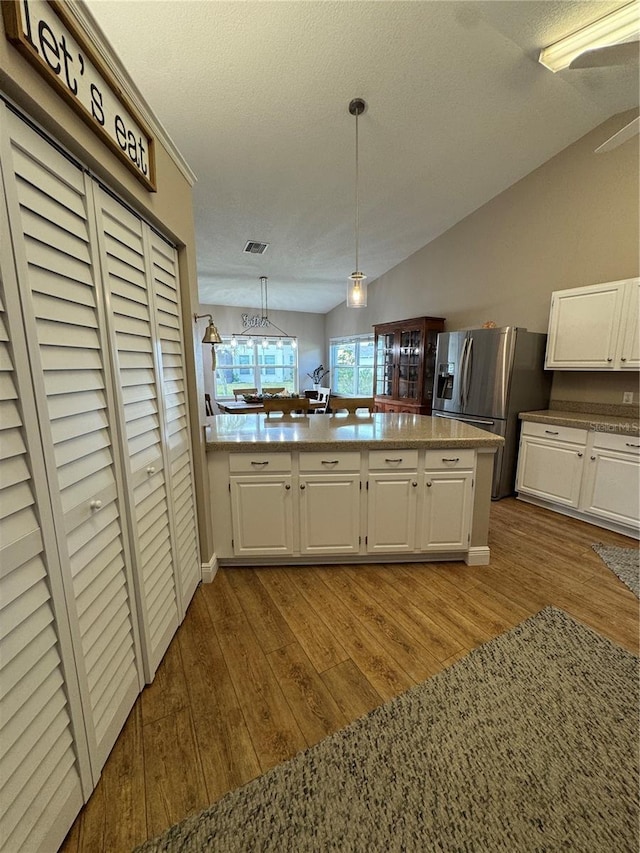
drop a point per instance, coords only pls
(530, 743)
(624, 562)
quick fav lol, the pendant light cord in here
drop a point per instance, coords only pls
(357, 196)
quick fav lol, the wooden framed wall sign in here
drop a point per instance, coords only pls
(48, 36)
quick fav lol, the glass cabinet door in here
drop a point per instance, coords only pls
(409, 359)
(384, 365)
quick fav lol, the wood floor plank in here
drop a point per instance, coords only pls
(220, 597)
(413, 656)
(380, 668)
(379, 582)
(118, 792)
(274, 731)
(226, 752)
(167, 693)
(353, 693)
(268, 624)
(318, 641)
(174, 782)
(315, 710)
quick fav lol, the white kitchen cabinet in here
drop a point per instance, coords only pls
(591, 475)
(595, 327)
(392, 493)
(447, 501)
(261, 503)
(550, 462)
(612, 479)
(329, 502)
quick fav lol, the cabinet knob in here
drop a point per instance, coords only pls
(593, 458)
(287, 486)
(414, 484)
(579, 454)
(609, 359)
(429, 483)
(151, 470)
(95, 504)
(622, 358)
(302, 486)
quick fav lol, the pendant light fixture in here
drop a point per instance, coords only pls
(357, 287)
(265, 322)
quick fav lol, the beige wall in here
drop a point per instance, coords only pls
(308, 328)
(571, 222)
(170, 209)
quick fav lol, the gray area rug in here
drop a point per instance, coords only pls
(624, 562)
(530, 743)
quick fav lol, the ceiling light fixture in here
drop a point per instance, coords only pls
(264, 322)
(619, 26)
(211, 336)
(357, 287)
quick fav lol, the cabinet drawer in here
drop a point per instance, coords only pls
(330, 461)
(555, 433)
(393, 460)
(256, 462)
(449, 458)
(612, 441)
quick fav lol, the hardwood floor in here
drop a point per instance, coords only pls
(269, 661)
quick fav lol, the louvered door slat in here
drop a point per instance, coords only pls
(168, 325)
(68, 323)
(124, 265)
(38, 691)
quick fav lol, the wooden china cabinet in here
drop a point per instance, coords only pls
(404, 367)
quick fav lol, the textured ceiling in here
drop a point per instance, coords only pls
(255, 96)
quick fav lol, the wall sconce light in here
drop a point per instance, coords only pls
(211, 336)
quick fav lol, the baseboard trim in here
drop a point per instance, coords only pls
(632, 532)
(209, 569)
(478, 556)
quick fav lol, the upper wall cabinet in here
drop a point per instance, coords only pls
(595, 327)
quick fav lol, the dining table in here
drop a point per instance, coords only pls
(241, 407)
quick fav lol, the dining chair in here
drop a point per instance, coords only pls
(352, 404)
(239, 393)
(286, 405)
(273, 390)
(322, 398)
(208, 408)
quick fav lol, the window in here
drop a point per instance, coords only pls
(249, 364)
(351, 363)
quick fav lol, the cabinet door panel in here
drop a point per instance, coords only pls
(446, 510)
(330, 515)
(391, 513)
(583, 327)
(261, 513)
(613, 487)
(68, 397)
(550, 470)
(629, 356)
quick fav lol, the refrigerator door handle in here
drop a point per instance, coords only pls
(463, 374)
(467, 370)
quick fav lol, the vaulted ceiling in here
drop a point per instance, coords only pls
(255, 95)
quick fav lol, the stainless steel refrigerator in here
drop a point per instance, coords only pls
(484, 377)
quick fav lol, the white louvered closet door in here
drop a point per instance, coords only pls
(63, 316)
(126, 274)
(166, 296)
(44, 759)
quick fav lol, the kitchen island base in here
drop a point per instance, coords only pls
(388, 488)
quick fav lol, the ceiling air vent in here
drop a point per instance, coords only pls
(255, 248)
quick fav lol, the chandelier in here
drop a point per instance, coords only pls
(265, 323)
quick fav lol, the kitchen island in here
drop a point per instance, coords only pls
(348, 489)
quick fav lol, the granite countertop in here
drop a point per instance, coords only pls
(343, 432)
(584, 420)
